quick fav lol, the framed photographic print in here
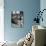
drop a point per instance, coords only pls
(17, 19)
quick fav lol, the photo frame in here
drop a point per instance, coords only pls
(17, 19)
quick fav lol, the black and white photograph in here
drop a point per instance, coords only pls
(17, 19)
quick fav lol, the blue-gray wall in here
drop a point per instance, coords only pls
(29, 7)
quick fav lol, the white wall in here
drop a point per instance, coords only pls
(43, 6)
(1, 20)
